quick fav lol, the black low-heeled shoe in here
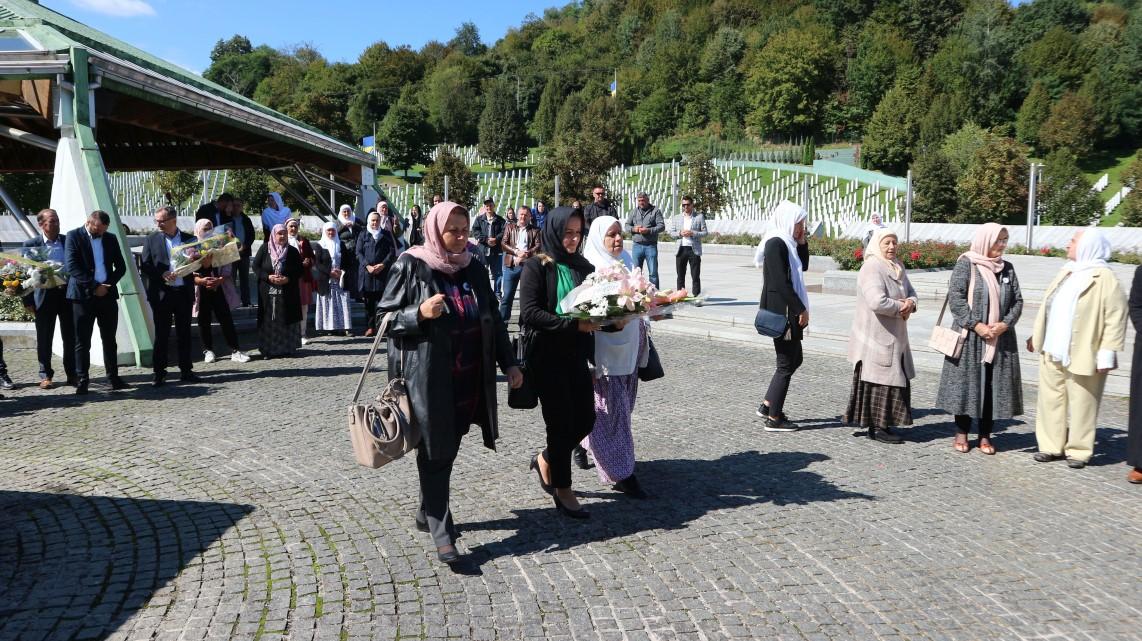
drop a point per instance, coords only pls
(421, 525)
(581, 513)
(631, 487)
(579, 455)
(535, 466)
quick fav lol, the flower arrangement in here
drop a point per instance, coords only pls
(19, 275)
(614, 293)
(13, 277)
(220, 246)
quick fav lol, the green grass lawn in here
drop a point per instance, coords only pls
(1111, 162)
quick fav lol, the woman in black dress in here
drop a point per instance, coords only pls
(376, 251)
(560, 350)
(278, 268)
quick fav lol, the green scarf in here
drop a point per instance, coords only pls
(565, 282)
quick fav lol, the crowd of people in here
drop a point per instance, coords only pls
(449, 283)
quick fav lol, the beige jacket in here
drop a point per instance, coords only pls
(879, 338)
(1100, 321)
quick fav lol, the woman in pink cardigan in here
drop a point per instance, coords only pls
(878, 344)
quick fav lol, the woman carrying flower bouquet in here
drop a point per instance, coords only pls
(618, 350)
(307, 284)
(214, 297)
(446, 338)
(878, 344)
(278, 268)
(560, 350)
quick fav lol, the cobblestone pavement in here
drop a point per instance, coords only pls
(233, 510)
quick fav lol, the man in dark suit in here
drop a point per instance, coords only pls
(487, 230)
(217, 212)
(50, 305)
(94, 265)
(171, 297)
(244, 232)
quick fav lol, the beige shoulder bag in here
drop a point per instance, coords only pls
(382, 430)
(947, 340)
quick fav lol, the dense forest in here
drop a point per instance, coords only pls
(922, 84)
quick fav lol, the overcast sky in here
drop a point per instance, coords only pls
(184, 31)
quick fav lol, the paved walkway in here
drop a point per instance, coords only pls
(233, 510)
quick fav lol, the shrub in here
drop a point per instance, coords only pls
(12, 310)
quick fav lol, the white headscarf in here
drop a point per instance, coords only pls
(345, 216)
(1092, 252)
(596, 253)
(292, 239)
(331, 245)
(785, 218)
(616, 353)
(279, 216)
(376, 233)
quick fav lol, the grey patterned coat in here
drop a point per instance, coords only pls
(961, 383)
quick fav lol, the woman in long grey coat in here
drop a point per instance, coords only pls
(985, 301)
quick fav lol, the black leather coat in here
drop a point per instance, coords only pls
(427, 350)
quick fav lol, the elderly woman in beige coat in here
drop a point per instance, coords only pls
(1078, 332)
(878, 344)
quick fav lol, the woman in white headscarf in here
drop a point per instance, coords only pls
(619, 349)
(376, 251)
(1079, 329)
(307, 284)
(785, 255)
(881, 395)
(275, 213)
(332, 314)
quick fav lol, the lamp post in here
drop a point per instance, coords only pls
(1032, 201)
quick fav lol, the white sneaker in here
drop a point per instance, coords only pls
(304, 341)
(208, 356)
(239, 357)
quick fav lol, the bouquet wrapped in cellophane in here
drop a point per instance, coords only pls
(614, 293)
(20, 275)
(221, 246)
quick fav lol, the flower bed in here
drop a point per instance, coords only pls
(12, 309)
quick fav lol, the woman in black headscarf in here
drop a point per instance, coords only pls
(560, 350)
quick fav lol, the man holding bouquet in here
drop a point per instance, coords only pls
(50, 305)
(171, 296)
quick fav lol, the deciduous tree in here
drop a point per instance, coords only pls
(1071, 125)
(404, 136)
(994, 187)
(1066, 196)
(704, 184)
(462, 183)
(503, 137)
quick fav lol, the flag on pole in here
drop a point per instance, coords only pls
(614, 87)
(367, 144)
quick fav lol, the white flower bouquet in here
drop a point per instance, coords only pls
(614, 293)
(19, 275)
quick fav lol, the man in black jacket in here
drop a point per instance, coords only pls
(487, 232)
(50, 305)
(599, 207)
(244, 232)
(645, 223)
(94, 265)
(171, 297)
(217, 212)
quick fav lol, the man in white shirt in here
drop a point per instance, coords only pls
(690, 228)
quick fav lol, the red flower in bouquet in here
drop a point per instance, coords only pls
(914, 255)
(858, 253)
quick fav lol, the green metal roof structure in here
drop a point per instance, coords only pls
(150, 114)
(78, 103)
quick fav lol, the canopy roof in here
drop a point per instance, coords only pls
(150, 114)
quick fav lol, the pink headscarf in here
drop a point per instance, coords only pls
(985, 239)
(277, 251)
(200, 228)
(433, 252)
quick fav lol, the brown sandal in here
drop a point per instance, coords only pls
(961, 446)
(987, 448)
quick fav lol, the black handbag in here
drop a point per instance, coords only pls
(770, 324)
(653, 370)
(523, 397)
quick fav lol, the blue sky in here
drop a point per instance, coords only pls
(184, 31)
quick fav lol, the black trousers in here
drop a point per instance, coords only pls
(371, 300)
(213, 305)
(3, 365)
(567, 400)
(789, 358)
(435, 478)
(686, 256)
(173, 307)
(963, 421)
(55, 306)
(242, 275)
(103, 310)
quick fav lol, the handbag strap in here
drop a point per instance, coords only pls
(373, 352)
(944, 308)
